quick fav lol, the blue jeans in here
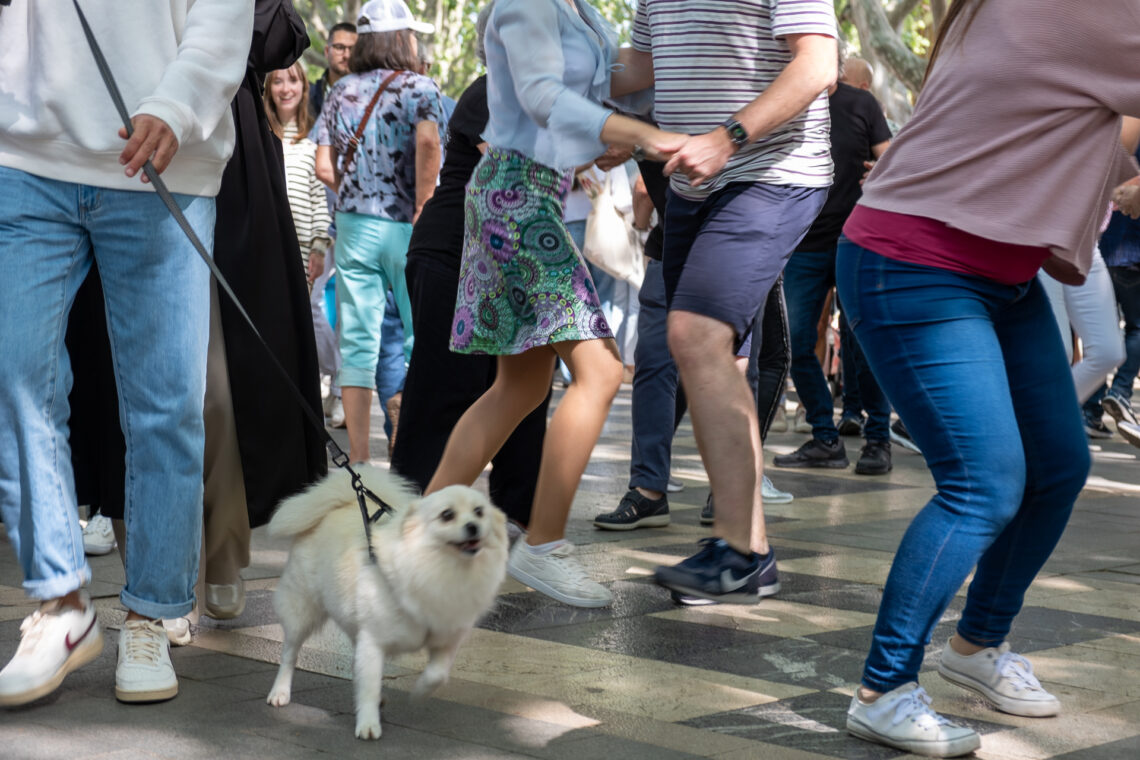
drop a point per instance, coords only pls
(391, 369)
(158, 308)
(808, 277)
(977, 372)
(658, 402)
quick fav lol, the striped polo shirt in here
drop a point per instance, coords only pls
(713, 57)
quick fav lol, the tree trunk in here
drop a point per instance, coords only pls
(877, 35)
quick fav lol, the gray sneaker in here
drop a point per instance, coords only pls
(1119, 408)
(635, 511)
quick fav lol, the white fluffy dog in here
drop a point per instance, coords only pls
(439, 562)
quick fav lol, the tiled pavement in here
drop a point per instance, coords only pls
(643, 679)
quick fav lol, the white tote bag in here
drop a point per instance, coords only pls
(611, 242)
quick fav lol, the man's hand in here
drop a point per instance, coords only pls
(153, 140)
(867, 167)
(1127, 198)
(702, 156)
(615, 155)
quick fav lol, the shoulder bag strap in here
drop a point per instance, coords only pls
(354, 141)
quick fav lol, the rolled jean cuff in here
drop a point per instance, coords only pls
(661, 486)
(61, 585)
(357, 377)
(155, 610)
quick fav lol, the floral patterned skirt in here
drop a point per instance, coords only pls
(522, 282)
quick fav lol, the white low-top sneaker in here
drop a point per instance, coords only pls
(558, 575)
(1002, 678)
(144, 672)
(54, 640)
(178, 631)
(773, 495)
(98, 536)
(902, 718)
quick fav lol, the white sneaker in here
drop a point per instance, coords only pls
(1002, 678)
(558, 575)
(98, 536)
(780, 420)
(336, 413)
(773, 495)
(674, 486)
(800, 423)
(178, 631)
(902, 718)
(54, 640)
(144, 672)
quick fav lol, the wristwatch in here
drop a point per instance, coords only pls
(736, 132)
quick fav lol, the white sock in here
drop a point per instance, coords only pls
(543, 549)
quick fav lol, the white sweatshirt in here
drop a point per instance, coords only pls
(178, 60)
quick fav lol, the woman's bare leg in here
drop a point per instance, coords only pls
(595, 367)
(521, 384)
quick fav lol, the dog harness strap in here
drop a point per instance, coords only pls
(336, 454)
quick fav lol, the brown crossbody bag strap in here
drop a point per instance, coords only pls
(354, 141)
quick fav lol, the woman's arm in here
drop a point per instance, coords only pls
(427, 163)
(325, 166)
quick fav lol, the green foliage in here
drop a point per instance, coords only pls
(453, 44)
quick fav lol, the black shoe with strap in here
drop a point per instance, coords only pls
(635, 511)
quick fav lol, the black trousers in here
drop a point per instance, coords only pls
(441, 385)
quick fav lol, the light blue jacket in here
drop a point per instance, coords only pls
(547, 74)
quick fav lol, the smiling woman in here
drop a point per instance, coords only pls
(286, 100)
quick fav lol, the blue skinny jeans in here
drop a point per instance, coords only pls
(977, 372)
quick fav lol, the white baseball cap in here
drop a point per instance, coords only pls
(389, 16)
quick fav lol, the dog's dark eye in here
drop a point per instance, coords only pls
(447, 515)
(478, 511)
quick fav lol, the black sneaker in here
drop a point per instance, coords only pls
(707, 511)
(720, 573)
(635, 511)
(1119, 408)
(875, 459)
(901, 436)
(1095, 427)
(769, 584)
(850, 424)
(815, 453)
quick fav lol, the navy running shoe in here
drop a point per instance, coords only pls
(719, 573)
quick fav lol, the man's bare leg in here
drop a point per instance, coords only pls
(723, 412)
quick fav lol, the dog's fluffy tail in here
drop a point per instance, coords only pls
(304, 511)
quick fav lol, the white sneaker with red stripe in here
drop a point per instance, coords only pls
(54, 640)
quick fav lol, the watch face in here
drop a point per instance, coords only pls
(737, 133)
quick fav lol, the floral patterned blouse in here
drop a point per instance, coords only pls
(382, 180)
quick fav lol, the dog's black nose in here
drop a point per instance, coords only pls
(472, 529)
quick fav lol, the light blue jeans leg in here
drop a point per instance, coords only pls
(47, 252)
(370, 257)
(157, 296)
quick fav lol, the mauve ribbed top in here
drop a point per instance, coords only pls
(1015, 137)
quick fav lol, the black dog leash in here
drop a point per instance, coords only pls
(339, 458)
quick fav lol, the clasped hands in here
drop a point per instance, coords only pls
(698, 157)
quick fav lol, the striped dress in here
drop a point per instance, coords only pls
(307, 199)
(713, 57)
